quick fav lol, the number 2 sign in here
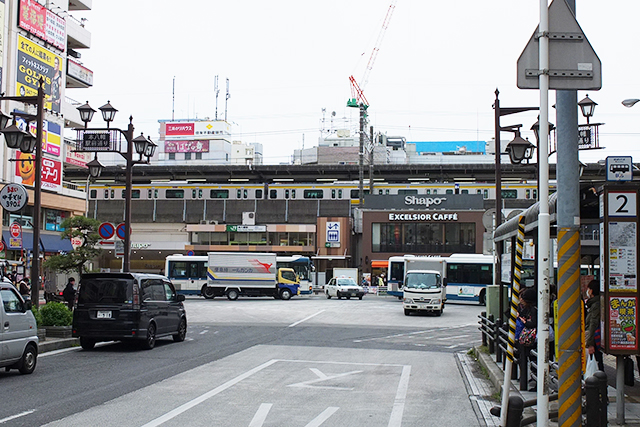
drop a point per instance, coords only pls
(622, 204)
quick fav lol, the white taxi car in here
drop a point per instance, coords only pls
(343, 287)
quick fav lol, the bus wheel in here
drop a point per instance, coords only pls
(482, 297)
(207, 292)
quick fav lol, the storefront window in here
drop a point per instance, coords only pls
(423, 238)
(53, 219)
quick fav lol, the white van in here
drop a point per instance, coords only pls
(19, 332)
(424, 290)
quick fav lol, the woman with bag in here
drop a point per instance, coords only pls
(592, 323)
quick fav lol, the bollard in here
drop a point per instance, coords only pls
(604, 398)
(496, 340)
(514, 411)
(592, 396)
(483, 326)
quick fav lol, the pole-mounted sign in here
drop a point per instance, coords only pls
(13, 197)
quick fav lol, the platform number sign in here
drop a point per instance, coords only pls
(622, 204)
(333, 232)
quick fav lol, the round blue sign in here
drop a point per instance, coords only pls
(106, 230)
(191, 253)
(120, 230)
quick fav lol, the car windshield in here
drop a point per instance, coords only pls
(105, 290)
(346, 282)
(423, 281)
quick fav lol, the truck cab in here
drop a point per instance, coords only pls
(424, 290)
(288, 283)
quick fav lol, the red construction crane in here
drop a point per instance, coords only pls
(357, 96)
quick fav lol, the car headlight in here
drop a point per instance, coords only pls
(435, 301)
(408, 300)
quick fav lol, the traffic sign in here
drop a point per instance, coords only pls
(120, 231)
(76, 242)
(190, 253)
(619, 168)
(13, 197)
(106, 230)
(573, 64)
(1, 246)
(16, 230)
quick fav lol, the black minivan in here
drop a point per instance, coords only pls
(127, 306)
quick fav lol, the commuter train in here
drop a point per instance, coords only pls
(338, 190)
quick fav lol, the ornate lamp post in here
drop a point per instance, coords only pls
(16, 138)
(109, 140)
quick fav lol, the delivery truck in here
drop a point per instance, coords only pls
(237, 274)
(424, 290)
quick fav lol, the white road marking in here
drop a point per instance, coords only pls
(324, 416)
(401, 395)
(204, 332)
(453, 338)
(305, 319)
(261, 415)
(323, 377)
(416, 333)
(13, 417)
(185, 407)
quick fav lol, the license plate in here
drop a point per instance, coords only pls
(104, 315)
(353, 294)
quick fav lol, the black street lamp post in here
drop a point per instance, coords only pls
(107, 140)
(16, 138)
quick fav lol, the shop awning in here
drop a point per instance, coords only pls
(53, 243)
(27, 240)
(380, 264)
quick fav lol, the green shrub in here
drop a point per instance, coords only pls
(55, 314)
(37, 315)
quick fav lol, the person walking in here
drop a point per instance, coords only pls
(25, 288)
(69, 292)
(592, 322)
(528, 319)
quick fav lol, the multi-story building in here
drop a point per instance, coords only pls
(43, 40)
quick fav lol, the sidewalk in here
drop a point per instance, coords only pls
(632, 394)
(51, 344)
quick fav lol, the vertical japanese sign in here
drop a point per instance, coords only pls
(622, 256)
(623, 323)
(42, 23)
(35, 62)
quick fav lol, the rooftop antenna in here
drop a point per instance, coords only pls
(173, 103)
(217, 91)
(226, 100)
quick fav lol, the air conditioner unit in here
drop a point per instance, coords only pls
(248, 218)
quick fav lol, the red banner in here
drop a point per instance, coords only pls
(180, 129)
(186, 146)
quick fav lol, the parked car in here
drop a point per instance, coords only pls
(127, 306)
(343, 287)
(19, 332)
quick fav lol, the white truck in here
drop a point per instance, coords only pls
(346, 272)
(254, 274)
(424, 290)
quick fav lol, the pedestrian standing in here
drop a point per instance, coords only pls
(69, 293)
(25, 288)
(592, 322)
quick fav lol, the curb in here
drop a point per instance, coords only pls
(51, 344)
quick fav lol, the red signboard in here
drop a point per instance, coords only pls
(51, 172)
(16, 230)
(186, 146)
(180, 129)
(42, 23)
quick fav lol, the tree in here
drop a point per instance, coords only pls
(85, 229)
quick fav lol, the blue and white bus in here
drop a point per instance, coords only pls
(187, 273)
(468, 276)
(302, 266)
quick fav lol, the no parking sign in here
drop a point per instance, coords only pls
(106, 230)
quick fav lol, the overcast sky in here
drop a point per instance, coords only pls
(434, 77)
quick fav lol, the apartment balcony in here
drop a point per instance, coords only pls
(78, 37)
(69, 110)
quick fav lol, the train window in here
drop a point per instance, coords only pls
(535, 194)
(428, 191)
(293, 194)
(354, 194)
(273, 194)
(174, 194)
(527, 194)
(339, 194)
(245, 193)
(333, 194)
(485, 194)
(435, 191)
(313, 194)
(464, 191)
(509, 194)
(386, 191)
(113, 194)
(286, 194)
(449, 192)
(199, 193)
(380, 191)
(218, 194)
(478, 191)
(106, 194)
(122, 195)
(135, 194)
(155, 193)
(193, 193)
(258, 194)
(407, 191)
(238, 194)
(149, 194)
(93, 194)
